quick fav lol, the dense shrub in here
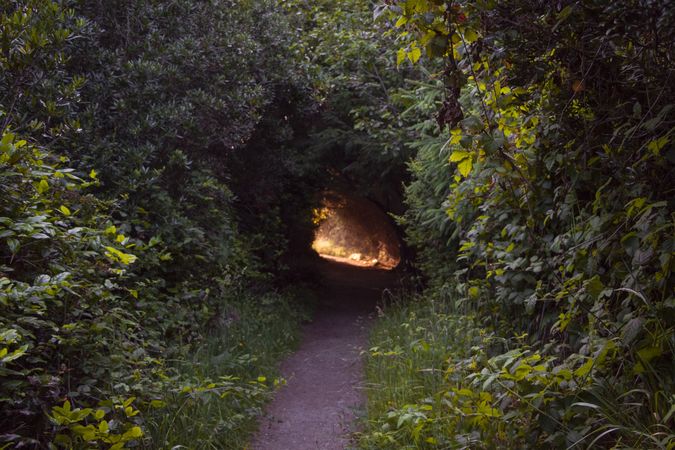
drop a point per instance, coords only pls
(558, 124)
(357, 139)
(122, 241)
(84, 324)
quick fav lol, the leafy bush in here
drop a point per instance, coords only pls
(358, 138)
(560, 232)
(66, 295)
(111, 277)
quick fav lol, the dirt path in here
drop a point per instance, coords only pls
(324, 377)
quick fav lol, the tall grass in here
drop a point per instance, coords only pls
(223, 385)
(436, 379)
(413, 345)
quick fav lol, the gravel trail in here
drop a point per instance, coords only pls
(316, 408)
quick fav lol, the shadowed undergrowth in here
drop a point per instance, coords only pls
(437, 379)
(230, 375)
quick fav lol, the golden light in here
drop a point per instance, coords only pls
(356, 231)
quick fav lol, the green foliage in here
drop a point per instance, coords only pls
(557, 125)
(109, 281)
(425, 220)
(38, 93)
(186, 104)
(103, 428)
(358, 139)
(415, 347)
(65, 292)
(158, 166)
(78, 323)
(220, 390)
(438, 380)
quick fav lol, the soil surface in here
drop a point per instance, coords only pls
(317, 406)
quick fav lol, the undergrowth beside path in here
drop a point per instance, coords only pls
(437, 379)
(230, 375)
(409, 377)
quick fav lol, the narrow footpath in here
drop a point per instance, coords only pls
(324, 390)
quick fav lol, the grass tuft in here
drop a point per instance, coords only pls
(221, 388)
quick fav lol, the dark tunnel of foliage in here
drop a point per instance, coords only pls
(160, 161)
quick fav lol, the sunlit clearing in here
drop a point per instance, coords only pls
(354, 231)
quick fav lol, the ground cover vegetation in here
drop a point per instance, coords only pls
(544, 230)
(160, 161)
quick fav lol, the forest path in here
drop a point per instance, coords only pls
(325, 376)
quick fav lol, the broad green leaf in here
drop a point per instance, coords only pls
(472, 124)
(459, 155)
(585, 369)
(630, 242)
(465, 167)
(470, 36)
(632, 329)
(165, 257)
(656, 145)
(595, 287)
(401, 21)
(414, 55)
(13, 245)
(116, 255)
(7, 139)
(644, 357)
(16, 354)
(649, 353)
(42, 186)
(400, 56)
(134, 432)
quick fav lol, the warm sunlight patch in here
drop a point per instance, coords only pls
(356, 231)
